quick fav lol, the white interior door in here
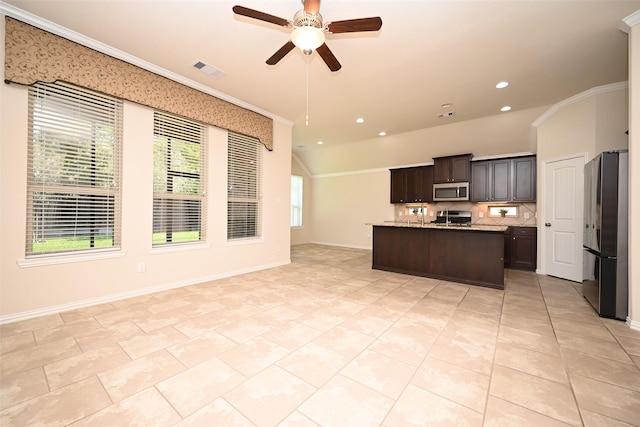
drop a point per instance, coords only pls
(563, 218)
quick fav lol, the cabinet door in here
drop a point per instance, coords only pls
(523, 248)
(427, 184)
(441, 170)
(413, 185)
(398, 177)
(460, 169)
(524, 179)
(500, 180)
(480, 181)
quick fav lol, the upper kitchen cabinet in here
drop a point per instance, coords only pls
(452, 168)
(504, 180)
(491, 181)
(412, 185)
(524, 179)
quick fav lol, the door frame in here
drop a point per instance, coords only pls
(542, 247)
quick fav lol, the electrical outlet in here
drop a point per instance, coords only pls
(141, 267)
(526, 215)
(480, 214)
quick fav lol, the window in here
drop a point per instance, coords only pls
(178, 179)
(73, 182)
(296, 201)
(510, 211)
(244, 195)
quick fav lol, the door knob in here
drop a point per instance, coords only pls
(547, 224)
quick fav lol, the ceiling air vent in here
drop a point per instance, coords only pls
(208, 69)
(447, 114)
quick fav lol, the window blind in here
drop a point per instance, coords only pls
(244, 192)
(73, 177)
(296, 201)
(179, 165)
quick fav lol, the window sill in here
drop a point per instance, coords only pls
(54, 259)
(179, 247)
(245, 241)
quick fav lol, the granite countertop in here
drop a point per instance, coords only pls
(471, 227)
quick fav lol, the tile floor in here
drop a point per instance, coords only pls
(326, 341)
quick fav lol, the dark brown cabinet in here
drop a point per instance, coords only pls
(504, 180)
(412, 185)
(520, 248)
(451, 168)
(441, 254)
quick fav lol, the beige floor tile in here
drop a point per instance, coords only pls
(16, 342)
(344, 341)
(196, 387)
(448, 292)
(344, 402)
(529, 340)
(297, 420)
(67, 330)
(612, 401)
(380, 373)
(244, 330)
(83, 365)
(501, 413)
(47, 352)
(132, 377)
(464, 354)
(147, 407)
(580, 328)
(86, 312)
(269, 397)
(552, 399)
(141, 345)
(216, 413)
(610, 371)
(22, 386)
(292, 335)
(593, 346)
(403, 346)
(418, 407)
(525, 312)
(368, 325)
(201, 348)
(592, 419)
(161, 319)
(314, 363)
(30, 325)
(481, 337)
(458, 384)
(541, 326)
(630, 344)
(60, 407)
(547, 366)
(253, 356)
(107, 336)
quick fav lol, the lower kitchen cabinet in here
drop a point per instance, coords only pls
(520, 248)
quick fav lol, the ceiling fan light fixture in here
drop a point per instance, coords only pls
(307, 38)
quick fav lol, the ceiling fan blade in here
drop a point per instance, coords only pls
(281, 53)
(355, 25)
(255, 14)
(311, 7)
(328, 57)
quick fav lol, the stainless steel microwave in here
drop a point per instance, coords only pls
(450, 191)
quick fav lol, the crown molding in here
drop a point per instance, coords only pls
(577, 98)
(53, 28)
(630, 21)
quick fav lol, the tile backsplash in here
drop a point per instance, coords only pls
(402, 213)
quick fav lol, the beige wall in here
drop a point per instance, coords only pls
(343, 204)
(300, 235)
(33, 290)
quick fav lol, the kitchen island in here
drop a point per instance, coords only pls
(461, 253)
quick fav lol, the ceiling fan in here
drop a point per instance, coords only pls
(309, 30)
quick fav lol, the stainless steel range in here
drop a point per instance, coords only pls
(453, 217)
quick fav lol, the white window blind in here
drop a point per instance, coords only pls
(73, 178)
(244, 195)
(179, 165)
(296, 201)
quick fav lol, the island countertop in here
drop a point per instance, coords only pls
(471, 227)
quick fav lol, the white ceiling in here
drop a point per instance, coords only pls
(426, 54)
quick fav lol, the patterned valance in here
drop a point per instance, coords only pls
(32, 55)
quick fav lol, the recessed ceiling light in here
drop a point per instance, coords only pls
(446, 105)
(382, 133)
(505, 108)
(447, 114)
(360, 120)
(319, 142)
(208, 69)
(502, 85)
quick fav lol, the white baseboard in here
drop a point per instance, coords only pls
(124, 295)
(633, 324)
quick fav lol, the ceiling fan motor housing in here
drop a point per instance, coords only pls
(303, 19)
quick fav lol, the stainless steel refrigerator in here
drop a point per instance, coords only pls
(605, 283)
